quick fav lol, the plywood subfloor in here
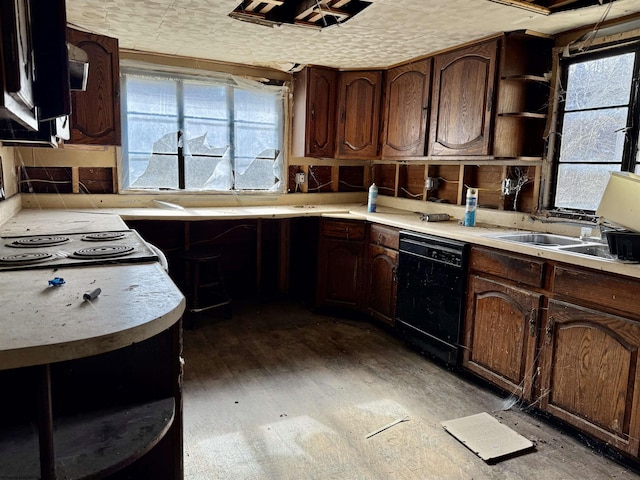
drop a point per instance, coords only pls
(278, 392)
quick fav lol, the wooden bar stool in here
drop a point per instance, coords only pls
(205, 279)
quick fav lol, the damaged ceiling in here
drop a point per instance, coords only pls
(384, 33)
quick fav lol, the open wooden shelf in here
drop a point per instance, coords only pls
(90, 445)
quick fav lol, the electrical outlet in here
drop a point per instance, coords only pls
(508, 187)
(431, 183)
(299, 178)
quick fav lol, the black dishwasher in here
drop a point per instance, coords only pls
(431, 292)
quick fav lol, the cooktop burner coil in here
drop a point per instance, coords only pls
(38, 241)
(106, 251)
(24, 258)
(103, 236)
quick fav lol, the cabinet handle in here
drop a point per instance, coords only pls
(533, 320)
(347, 232)
(394, 275)
(549, 330)
(379, 238)
(313, 114)
(490, 102)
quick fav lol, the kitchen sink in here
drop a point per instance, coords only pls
(541, 239)
(601, 251)
(559, 243)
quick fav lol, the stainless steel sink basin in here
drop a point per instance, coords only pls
(601, 251)
(541, 239)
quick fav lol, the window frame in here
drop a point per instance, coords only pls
(629, 160)
(232, 81)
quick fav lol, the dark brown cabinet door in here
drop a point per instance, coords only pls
(314, 112)
(500, 334)
(591, 376)
(406, 109)
(463, 92)
(95, 114)
(321, 110)
(340, 263)
(383, 264)
(359, 114)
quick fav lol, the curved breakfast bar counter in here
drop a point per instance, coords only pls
(76, 369)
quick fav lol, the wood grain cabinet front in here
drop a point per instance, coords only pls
(95, 115)
(340, 263)
(406, 110)
(382, 265)
(314, 118)
(501, 333)
(590, 377)
(358, 114)
(462, 100)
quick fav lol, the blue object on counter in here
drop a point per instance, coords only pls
(56, 282)
(372, 201)
(470, 209)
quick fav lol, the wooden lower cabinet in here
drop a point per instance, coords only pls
(341, 263)
(382, 265)
(500, 334)
(590, 377)
(564, 338)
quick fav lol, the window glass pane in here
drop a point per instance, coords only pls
(201, 162)
(580, 186)
(600, 83)
(152, 128)
(205, 101)
(161, 172)
(593, 136)
(257, 135)
(206, 121)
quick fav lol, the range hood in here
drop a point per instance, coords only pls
(78, 67)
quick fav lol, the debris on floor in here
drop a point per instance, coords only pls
(388, 425)
(487, 437)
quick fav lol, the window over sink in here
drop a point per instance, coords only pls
(598, 131)
(201, 134)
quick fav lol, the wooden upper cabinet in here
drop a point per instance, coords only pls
(406, 109)
(358, 114)
(314, 117)
(462, 98)
(95, 113)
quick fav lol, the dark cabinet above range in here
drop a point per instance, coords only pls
(35, 76)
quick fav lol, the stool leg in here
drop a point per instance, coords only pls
(196, 286)
(225, 294)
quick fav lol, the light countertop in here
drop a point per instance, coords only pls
(43, 324)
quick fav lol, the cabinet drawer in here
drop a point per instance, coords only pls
(519, 269)
(343, 229)
(384, 236)
(608, 291)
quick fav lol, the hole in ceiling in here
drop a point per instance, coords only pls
(547, 7)
(304, 13)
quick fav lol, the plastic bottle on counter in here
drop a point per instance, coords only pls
(372, 202)
(470, 210)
